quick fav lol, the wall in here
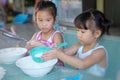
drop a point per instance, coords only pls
(112, 11)
(67, 13)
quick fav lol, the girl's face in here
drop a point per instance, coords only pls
(88, 36)
(85, 36)
(45, 21)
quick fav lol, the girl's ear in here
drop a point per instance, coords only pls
(55, 19)
(34, 17)
(98, 34)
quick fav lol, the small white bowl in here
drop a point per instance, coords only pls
(10, 55)
(35, 69)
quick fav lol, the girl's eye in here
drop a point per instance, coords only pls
(82, 31)
(40, 20)
(48, 20)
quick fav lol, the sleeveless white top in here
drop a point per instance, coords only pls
(95, 69)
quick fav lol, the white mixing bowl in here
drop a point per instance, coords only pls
(10, 55)
(34, 69)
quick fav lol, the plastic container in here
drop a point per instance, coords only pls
(38, 51)
(20, 18)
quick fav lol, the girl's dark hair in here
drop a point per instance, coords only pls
(46, 5)
(101, 22)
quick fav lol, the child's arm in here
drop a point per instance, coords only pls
(98, 56)
(33, 42)
(72, 50)
(33, 37)
(58, 38)
(69, 51)
(28, 45)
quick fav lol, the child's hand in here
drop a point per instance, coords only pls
(28, 45)
(32, 43)
(50, 54)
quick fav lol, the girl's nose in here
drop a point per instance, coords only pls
(44, 23)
